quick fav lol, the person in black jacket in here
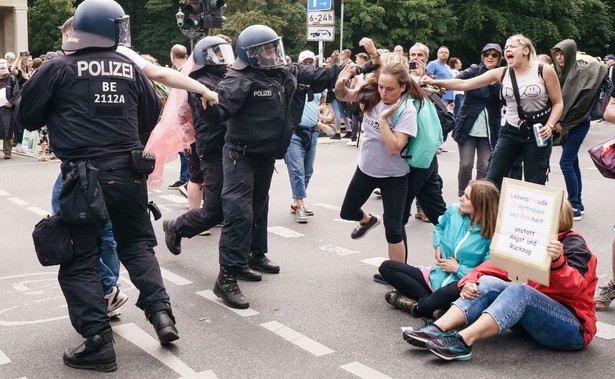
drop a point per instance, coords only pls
(100, 109)
(263, 100)
(478, 120)
(9, 91)
(212, 57)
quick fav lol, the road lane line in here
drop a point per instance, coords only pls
(605, 331)
(342, 220)
(177, 199)
(209, 295)
(363, 371)
(4, 193)
(4, 359)
(297, 338)
(341, 251)
(151, 346)
(209, 374)
(329, 206)
(284, 232)
(375, 261)
(174, 278)
(18, 201)
(39, 211)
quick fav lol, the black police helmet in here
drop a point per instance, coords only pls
(212, 51)
(98, 23)
(259, 46)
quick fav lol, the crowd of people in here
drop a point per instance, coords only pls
(249, 110)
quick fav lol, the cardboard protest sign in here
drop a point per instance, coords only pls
(528, 218)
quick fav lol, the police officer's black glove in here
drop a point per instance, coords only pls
(366, 68)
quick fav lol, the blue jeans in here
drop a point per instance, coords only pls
(109, 270)
(569, 163)
(184, 168)
(338, 111)
(300, 164)
(514, 305)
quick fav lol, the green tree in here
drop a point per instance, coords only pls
(44, 17)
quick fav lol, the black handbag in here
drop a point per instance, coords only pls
(81, 199)
(528, 119)
(53, 242)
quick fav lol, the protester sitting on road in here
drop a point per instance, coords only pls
(461, 239)
(606, 292)
(478, 119)
(380, 163)
(515, 139)
(560, 316)
(580, 80)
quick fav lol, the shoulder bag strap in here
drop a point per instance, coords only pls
(513, 80)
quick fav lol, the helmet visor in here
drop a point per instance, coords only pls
(267, 55)
(123, 31)
(219, 55)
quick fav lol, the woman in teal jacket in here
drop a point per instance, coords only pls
(461, 241)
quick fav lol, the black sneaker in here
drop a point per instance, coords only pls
(347, 135)
(95, 353)
(450, 347)
(379, 279)
(361, 230)
(336, 136)
(419, 338)
(176, 185)
(260, 262)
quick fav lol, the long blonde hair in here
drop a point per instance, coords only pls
(485, 198)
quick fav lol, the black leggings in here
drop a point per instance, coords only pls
(409, 281)
(393, 190)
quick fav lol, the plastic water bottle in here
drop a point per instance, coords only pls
(540, 142)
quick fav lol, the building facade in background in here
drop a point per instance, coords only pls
(13, 26)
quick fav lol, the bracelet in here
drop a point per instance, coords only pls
(551, 126)
(376, 55)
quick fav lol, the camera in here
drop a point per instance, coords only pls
(366, 68)
(413, 65)
(24, 53)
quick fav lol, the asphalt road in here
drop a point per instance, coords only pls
(322, 317)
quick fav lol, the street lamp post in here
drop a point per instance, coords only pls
(188, 32)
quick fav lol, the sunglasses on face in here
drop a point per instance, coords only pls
(492, 55)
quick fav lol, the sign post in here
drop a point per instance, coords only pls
(320, 21)
(528, 218)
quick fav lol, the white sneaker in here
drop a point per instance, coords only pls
(301, 216)
(351, 143)
(183, 190)
(115, 299)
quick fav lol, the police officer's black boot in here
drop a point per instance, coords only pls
(95, 353)
(172, 239)
(161, 317)
(227, 289)
(260, 262)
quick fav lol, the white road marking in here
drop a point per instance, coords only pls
(151, 346)
(297, 338)
(341, 251)
(4, 359)
(174, 198)
(18, 201)
(284, 232)
(375, 261)
(209, 295)
(39, 211)
(342, 220)
(209, 374)
(329, 206)
(174, 278)
(4, 193)
(605, 331)
(164, 209)
(363, 371)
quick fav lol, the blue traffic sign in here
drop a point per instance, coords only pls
(319, 5)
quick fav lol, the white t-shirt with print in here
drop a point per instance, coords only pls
(374, 158)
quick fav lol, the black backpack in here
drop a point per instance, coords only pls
(447, 122)
(603, 96)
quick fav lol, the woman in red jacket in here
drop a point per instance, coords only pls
(560, 316)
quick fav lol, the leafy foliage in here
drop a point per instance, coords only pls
(465, 26)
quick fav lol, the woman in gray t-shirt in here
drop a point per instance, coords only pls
(386, 133)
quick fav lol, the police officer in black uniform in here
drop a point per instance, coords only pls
(100, 108)
(263, 100)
